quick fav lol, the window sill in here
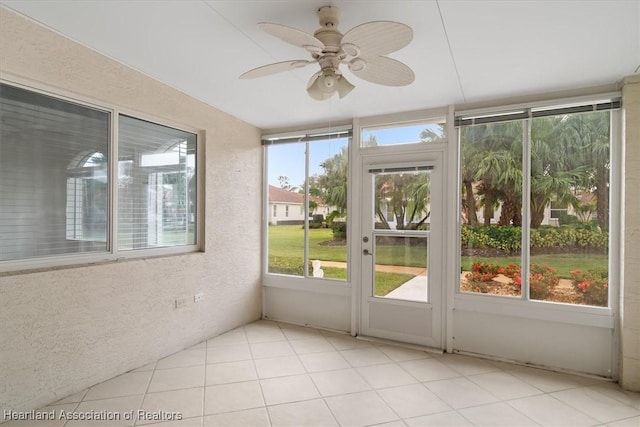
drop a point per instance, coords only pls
(549, 311)
(315, 285)
(29, 266)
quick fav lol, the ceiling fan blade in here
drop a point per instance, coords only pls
(278, 67)
(292, 36)
(384, 71)
(377, 38)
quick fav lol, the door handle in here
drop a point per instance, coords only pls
(366, 252)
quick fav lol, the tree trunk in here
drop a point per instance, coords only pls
(511, 212)
(508, 211)
(488, 207)
(472, 216)
(422, 221)
(399, 219)
(537, 215)
(382, 219)
(517, 216)
(602, 198)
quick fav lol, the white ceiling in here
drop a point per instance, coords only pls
(462, 51)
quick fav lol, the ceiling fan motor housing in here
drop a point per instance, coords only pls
(328, 33)
(329, 16)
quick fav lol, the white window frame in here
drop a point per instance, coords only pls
(306, 282)
(112, 253)
(525, 307)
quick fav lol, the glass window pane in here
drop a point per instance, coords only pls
(156, 185)
(326, 232)
(491, 199)
(328, 208)
(401, 267)
(402, 200)
(53, 176)
(428, 131)
(570, 208)
(286, 168)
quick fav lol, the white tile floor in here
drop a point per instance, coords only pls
(270, 374)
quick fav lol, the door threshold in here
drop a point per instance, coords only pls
(424, 348)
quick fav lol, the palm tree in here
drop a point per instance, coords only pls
(331, 186)
(492, 158)
(554, 173)
(590, 132)
(407, 196)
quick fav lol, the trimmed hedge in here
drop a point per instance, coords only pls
(286, 265)
(508, 238)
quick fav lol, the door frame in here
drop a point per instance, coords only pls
(410, 155)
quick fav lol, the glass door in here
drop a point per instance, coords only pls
(401, 251)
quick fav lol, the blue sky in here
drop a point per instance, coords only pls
(288, 159)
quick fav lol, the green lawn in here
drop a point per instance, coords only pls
(286, 242)
(286, 252)
(385, 282)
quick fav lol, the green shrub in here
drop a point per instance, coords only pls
(339, 230)
(286, 265)
(508, 238)
(566, 219)
(478, 237)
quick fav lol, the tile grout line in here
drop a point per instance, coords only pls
(75, 408)
(322, 398)
(204, 385)
(144, 395)
(253, 362)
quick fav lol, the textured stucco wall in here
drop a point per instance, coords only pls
(65, 329)
(630, 295)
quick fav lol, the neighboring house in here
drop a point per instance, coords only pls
(287, 207)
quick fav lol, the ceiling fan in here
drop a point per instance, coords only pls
(361, 49)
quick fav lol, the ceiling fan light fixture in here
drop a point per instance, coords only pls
(327, 82)
(316, 93)
(344, 87)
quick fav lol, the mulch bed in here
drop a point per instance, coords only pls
(564, 292)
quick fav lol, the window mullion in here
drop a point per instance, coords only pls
(526, 208)
(113, 185)
(306, 210)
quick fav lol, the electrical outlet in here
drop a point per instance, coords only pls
(198, 297)
(181, 302)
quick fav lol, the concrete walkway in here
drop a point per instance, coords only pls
(384, 268)
(414, 289)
